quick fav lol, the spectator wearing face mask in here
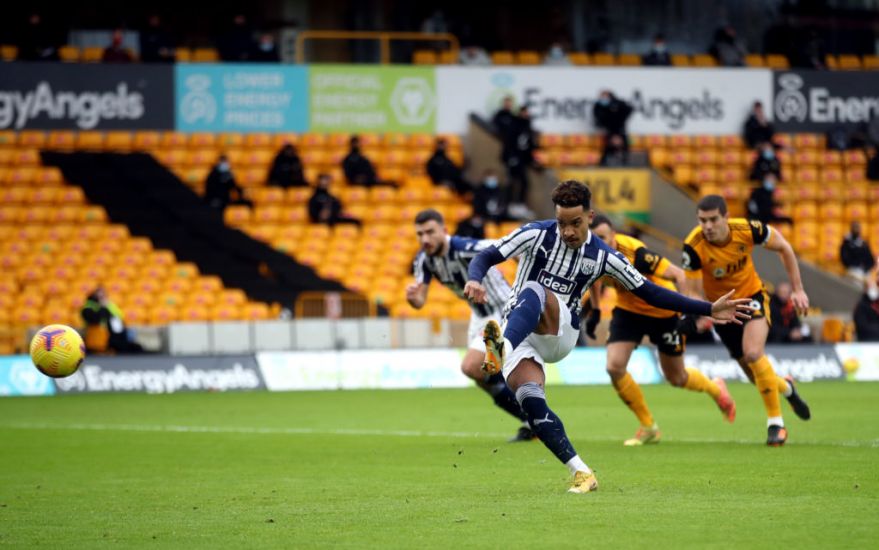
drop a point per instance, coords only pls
(762, 205)
(489, 199)
(658, 55)
(221, 189)
(758, 129)
(866, 315)
(556, 56)
(766, 163)
(265, 50)
(855, 253)
(610, 114)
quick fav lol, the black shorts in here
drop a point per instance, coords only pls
(626, 326)
(731, 335)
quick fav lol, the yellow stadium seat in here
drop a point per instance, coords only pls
(604, 59)
(859, 191)
(832, 330)
(202, 140)
(755, 60)
(205, 55)
(776, 61)
(236, 215)
(830, 192)
(870, 62)
(7, 138)
(580, 58)
(830, 211)
(527, 57)
(629, 60)
(92, 54)
(703, 60)
(194, 312)
(856, 211)
(849, 63)
(146, 140)
(8, 52)
(256, 311)
(118, 141)
(502, 58)
(182, 55)
(26, 157)
(90, 141)
(424, 57)
(680, 60)
(806, 192)
(805, 210)
(69, 54)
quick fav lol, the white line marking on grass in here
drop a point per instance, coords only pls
(249, 430)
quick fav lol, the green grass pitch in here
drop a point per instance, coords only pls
(430, 469)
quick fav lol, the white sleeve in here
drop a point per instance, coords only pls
(519, 242)
(618, 267)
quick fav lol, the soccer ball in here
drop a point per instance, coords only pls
(57, 350)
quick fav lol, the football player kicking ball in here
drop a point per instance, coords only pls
(446, 259)
(559, 260)
(633, 318)
(717, 259)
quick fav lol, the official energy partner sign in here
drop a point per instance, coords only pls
(372, 99)
(617, 191)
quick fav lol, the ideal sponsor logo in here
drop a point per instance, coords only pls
(94, 378)
(798, 102)
(87, 108)
(554, 282)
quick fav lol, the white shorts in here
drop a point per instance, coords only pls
(545, 348)
(474, 331)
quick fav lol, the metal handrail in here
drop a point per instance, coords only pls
(384, 38)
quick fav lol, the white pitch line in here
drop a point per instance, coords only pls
(249, 430)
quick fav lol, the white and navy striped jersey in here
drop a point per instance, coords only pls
(450, 269)
(568, 272)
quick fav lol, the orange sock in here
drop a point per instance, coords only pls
(783, 388)
(630, 392)
(767, 384)
(696, 381)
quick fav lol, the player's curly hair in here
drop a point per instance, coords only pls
(571, 193)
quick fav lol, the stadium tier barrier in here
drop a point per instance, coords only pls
(399, 369)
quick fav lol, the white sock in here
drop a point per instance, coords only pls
(576, 464)
(789, 391)
(775, 421)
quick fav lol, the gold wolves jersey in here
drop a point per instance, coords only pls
(652, 265)
(728, 266)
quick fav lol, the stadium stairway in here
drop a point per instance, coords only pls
(139, 192)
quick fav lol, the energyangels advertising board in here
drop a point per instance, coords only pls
(676, 101)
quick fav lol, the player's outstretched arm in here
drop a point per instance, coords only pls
(777, 243)
(479, 266)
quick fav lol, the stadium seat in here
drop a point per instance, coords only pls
(90, 141)
(778, 62)
(629, 60)
(146, 140)
(755, 60)
(205, 55)
(604, 59)
(502, 58)
(527, 57)
(424, 57)
(580, 58)
(849, 63)
(8, 52)
(703, 60)
(118, 141)
(69, 54)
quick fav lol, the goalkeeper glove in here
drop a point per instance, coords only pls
(592, 322)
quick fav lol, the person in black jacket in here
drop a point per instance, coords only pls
(611, 114)
(323, 207)
(359, 169)
(443, 171)
(518, 156)
(221, 189)
(286, 170)
(758, 129)
(99, 311)
(37, 42)
(766, 163)
(855, 253)
(489, 199)
(872, 164)
(762, 205)
(504, 119)
(658, 55)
